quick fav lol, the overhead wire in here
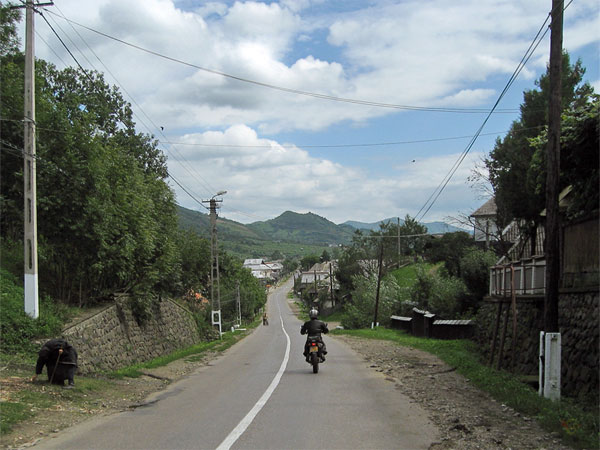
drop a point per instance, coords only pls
(528, 53)
(290, 90)
(186, 190)
(366, 144)
(181, 159)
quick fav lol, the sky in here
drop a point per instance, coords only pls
(300, 105)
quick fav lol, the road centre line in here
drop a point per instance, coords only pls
(247, 420)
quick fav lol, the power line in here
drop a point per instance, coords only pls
(367, 144)
(91, 80)
(181, 159)
(290, 90)
(528, 53)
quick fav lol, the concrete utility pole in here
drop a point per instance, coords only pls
(399, 252)
(30, 260)
(239, 303)
(29, 172)
(553, 172)
(214, 263)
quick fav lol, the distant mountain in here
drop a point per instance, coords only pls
(291, 233)
(303, 228)
(432, 227)
(227, 229)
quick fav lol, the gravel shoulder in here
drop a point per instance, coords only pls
(466, 417)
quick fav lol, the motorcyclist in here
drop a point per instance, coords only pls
(313, 328)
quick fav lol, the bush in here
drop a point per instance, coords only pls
(17, 329)
(361, 311)
(438, 294)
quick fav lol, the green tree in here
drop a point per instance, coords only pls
(9, 39)
(308, 261)
(277, 255)
(438, 294)
(450, 248)
(194, 254)
(106, 217)
(474, 267)
(579, 159)
(509, 162)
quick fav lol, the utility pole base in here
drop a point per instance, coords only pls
(32, 307)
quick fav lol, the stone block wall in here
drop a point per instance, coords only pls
(579, 319)
(112, 338)
(579, 324)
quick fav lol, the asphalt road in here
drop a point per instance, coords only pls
(261, 394)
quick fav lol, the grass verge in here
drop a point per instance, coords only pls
(192, 353)
(577, 425)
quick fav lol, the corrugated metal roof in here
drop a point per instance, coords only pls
(402, 319)
(452, 322)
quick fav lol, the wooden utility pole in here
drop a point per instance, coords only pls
(380, 263)
(553, 172)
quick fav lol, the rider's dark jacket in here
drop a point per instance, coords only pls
(314, 327)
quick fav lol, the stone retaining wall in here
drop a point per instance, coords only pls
(112, 338)
(579, 319)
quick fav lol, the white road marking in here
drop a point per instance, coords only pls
(247, 420)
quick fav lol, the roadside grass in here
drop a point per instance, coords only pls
(28, 399)
(578, 425)
(192, 353)
(13, 413)
(31, 398)
(334, 317)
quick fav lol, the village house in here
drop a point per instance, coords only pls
(267, 271)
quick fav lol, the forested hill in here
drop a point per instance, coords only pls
(288, 227)
(227, 229)
(306, 228)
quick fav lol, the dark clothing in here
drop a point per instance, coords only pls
(60, 366)
(314, 327)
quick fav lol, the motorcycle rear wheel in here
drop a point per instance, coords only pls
(314, 360)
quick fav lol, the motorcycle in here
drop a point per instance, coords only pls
(315, 352)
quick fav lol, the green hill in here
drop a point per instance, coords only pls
(306, 228)
(246, 241)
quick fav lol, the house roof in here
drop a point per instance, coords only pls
(487, 209)
(253, 262)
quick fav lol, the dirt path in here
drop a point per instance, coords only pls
(467, 417)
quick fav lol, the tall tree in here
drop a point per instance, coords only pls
(509, 162)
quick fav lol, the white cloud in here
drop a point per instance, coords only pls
(414, 52)
(266, 178)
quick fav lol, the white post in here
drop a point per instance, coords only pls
(541, 365)
(552, 353)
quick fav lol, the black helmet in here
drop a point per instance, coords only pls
(313, 313)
